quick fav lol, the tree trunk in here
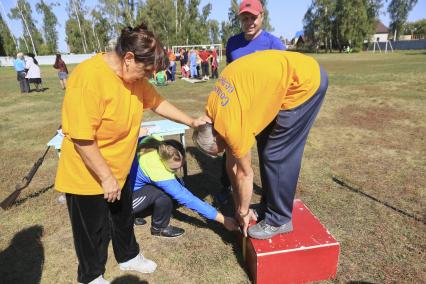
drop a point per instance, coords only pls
(28, 31)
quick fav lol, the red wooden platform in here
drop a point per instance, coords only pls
(309, 253)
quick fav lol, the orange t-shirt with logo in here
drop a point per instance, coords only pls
(253, 89)
(99, 106)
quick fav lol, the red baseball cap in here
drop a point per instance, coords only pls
(251, 6)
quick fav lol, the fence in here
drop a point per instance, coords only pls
(404, 44)
(49, 59)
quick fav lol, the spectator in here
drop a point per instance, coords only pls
(185, 71)
(19, 64)
(154, 182)
(204, 56)
(33, 73)
(62, 70)
(252, 38)
(172, 60)
(214, 62)
(160, 78)
(193, 63)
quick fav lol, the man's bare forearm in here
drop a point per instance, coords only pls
(244, 192)
(242, 181)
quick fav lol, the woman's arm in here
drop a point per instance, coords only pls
(229, 223)
(92, 158)
(167, 110)
(183, 196)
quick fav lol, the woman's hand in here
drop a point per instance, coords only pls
(244, 220)
(200, 121)
(111, 188)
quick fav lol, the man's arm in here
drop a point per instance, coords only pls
(242, 180)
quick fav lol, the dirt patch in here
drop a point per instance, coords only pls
(371, 118)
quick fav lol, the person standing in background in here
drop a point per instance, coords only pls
(193, 63)
(205, 56)
(172, 60)
(19, 64)
(214, 63)
(33, 73)
(62, 70)
(252, 38)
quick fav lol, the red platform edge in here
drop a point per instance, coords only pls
(320, 249)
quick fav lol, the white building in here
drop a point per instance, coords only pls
(382, 33)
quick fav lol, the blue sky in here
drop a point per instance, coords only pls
(286, 15)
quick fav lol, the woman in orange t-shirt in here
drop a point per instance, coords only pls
(101, 116)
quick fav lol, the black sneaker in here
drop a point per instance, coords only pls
(259, 211)
(139, 221)
(168, 232)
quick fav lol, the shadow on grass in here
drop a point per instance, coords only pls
(23, 260)
(128, 279)
(205, 183)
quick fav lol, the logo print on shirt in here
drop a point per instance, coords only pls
(224, 98)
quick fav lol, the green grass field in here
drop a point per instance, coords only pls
(370, 134)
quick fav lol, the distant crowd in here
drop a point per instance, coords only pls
(197, 64)
(28, 72)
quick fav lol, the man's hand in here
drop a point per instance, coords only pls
(111, 188)
(230, 224)
(244, 220)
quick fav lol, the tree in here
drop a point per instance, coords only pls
(398, 12)
(214, 31)
(159, 15)
(232, 26)
(339, 23)
(417, 28)
(204, 24)
(23, 12)
(101, 29)
(181, 20)
(79, 29)
(7, 41)
(49, 26)
(122, 13)
(318, 23)
(266, 22)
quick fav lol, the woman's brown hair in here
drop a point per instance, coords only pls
(144, 45)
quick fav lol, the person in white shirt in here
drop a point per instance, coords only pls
(33, 73)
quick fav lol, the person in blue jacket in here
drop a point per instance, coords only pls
(154, 182)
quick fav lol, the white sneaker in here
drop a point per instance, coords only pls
(139, 264)
(99, 280)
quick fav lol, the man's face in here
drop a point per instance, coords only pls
(251, 24)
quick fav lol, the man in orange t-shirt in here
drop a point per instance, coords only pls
(270, 97)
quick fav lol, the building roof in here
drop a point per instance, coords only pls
(381, 28)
